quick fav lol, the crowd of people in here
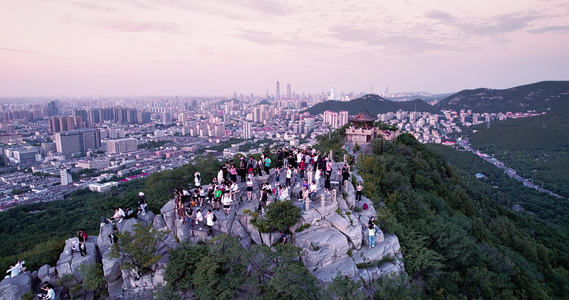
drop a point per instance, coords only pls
(300, 168)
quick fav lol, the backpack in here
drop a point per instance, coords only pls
(214, 218)
(365, 207)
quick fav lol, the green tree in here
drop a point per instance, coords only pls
(94, 278)
(280, 215)
(139, 250)
(344, 288)
(219, 275)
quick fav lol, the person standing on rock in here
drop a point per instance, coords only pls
(288, 175)
(82, 238)
(359, 189)
(209, 221)
(267, 164)
(226, 200)
(197, 178)
(142, 205)
(371, 231)
(249, 189)
(345, 176)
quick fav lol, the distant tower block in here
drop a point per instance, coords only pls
(278, 95)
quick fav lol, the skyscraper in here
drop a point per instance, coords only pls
(288, 93)
(76, 142)
(247, 133)
(278, 96)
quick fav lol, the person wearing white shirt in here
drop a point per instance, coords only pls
(209, 222)
(312, 190)
(226, 202)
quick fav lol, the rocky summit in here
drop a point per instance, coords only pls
(332, 234)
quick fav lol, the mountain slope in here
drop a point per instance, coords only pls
(374, 104)
(539, 96)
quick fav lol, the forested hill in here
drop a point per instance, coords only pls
(539, 96)
(535, 147)
(374, 104)
(460, 238)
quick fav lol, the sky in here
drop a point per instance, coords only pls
(121, 48)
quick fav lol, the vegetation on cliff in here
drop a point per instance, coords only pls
(459, 237)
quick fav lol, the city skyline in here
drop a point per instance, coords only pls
(168, 48)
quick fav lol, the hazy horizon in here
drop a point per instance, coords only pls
(126, 48)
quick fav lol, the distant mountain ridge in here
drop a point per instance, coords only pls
(539, 96)
(374, 104)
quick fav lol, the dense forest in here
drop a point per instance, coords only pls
(536, 147)
(458, 234)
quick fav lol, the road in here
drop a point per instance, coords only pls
(499, 164)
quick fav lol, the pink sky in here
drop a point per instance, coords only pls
(193, 48)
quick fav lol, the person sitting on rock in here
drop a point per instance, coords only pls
(16, 269)
(118, 216)
(282, 239)
(199, 216)
(312, 190)
(128, 213)
(234, 190)
(47, 292)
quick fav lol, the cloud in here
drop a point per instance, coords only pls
(128, 25)
(18, 50)
(550, 29)
(498, 24)
(394, 42)
(439, 15)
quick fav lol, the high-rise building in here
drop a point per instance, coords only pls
(331, 118)
(278, 95)
(288, 92)
(77, 142)
(65, 175)
(342, 118)
(52, 109)
(121, 145)
(247, 131)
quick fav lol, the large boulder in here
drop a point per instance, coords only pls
(159, 223)
(168, 212)
(147, 218)
(103, 240)
(70, 261)
(322, 246)
(345, 266)
(311, 216)
(127, 225)
(328, 209)
(390, 246)
(111, 267)
(183, 231)
(14, 288)
(343, 224)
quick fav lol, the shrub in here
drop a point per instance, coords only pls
(280, 216)
(139, 250)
